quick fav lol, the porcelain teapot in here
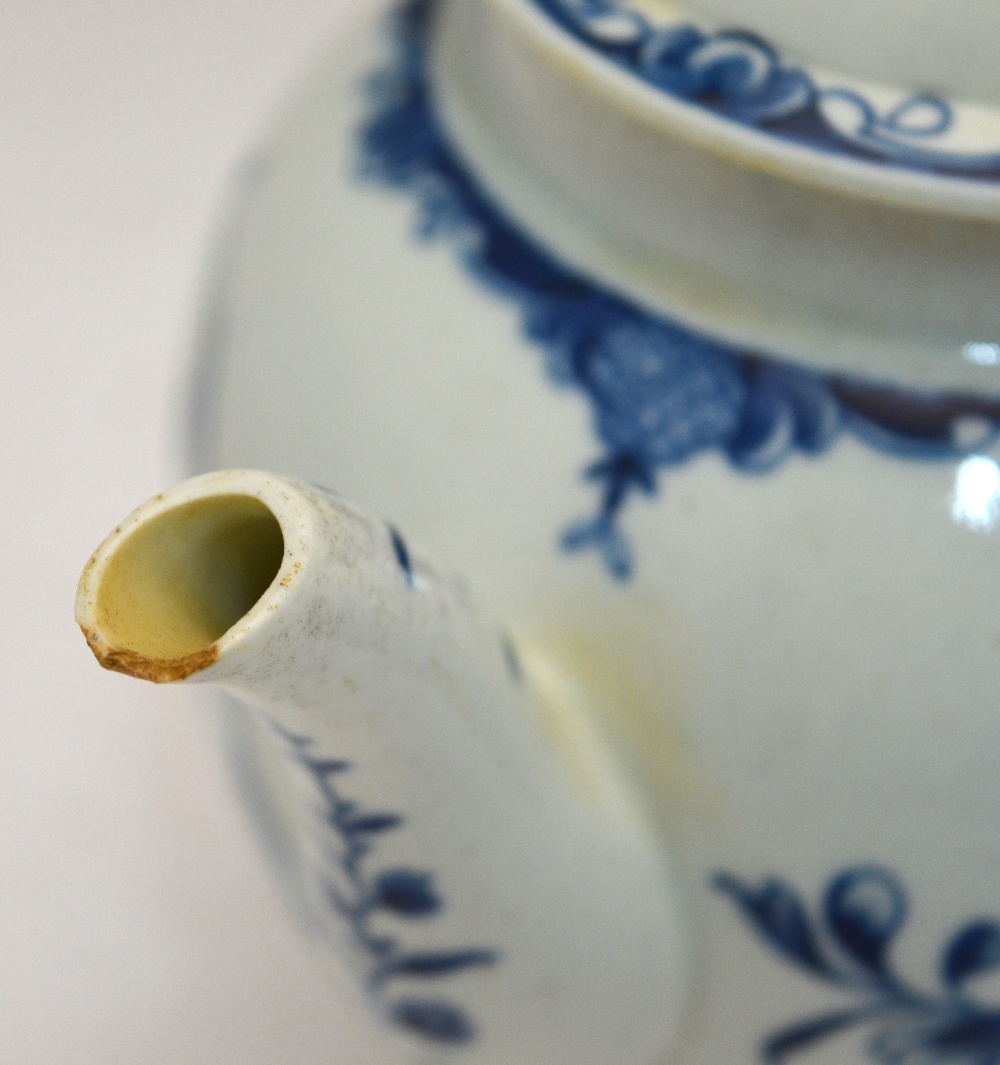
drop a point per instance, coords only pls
(680, 343)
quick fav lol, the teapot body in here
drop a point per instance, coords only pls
(781, 574)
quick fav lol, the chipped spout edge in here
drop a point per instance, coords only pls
(281, 497)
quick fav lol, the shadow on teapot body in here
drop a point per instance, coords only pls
(630, 664)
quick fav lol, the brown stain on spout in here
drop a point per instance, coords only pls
(157, 670)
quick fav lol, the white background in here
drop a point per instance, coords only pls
(137, 923)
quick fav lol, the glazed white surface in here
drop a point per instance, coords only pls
(802, 720)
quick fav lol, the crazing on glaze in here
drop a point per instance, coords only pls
(359, 897)
(660, 394)
(738, 75)
(848, 945)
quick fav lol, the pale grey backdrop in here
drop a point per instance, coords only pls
(136, 923)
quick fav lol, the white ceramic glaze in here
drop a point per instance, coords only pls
(459, 842)
(710, 420)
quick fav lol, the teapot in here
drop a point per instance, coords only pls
(680, 343)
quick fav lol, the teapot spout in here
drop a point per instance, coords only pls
(467, 851)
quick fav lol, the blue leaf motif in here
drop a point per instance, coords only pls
(779, 916)
(327, 766)
(433, 1020)
(406, 894)
(975, 950)
(865, 908)
(371, 823)
(963, 1036)
(434, 965)
(609, 540)
(359, 896)
(402, 554)
(803, 1035)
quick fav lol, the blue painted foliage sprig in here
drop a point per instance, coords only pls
(360, 895)
(847, 944)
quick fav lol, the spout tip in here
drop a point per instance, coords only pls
(163, 596)
(157, 670)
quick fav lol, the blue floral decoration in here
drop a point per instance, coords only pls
(740, 76)
(661, 394)
(360, 896)
(847, 944)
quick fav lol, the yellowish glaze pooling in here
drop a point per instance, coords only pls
(180, 581)
(630, 674)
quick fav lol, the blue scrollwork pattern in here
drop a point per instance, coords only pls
(740, 76)
(660, 393)
(362, 896)
(847, 944)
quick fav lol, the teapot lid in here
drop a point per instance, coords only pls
(915, 94)
(700, 174)
(922, 45)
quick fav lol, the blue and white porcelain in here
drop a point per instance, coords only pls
(471, 859)
(677, 333)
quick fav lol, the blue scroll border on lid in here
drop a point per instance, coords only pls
(740, 76)
(660, 393)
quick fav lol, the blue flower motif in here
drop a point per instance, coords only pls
(863, 911)
(663, 395)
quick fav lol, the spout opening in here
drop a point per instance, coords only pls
(184, 578)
